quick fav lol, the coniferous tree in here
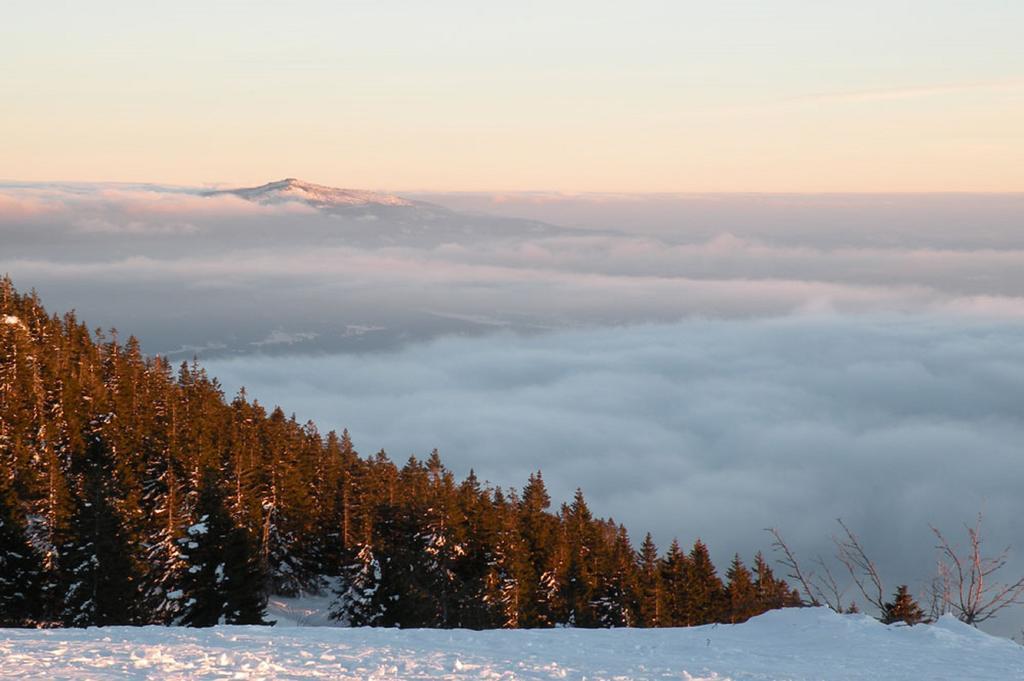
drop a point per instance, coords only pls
(403, 597)
(772, 593)
(740, 592)
(20, 568)
(674, 570)
(651, 588)
(704, 591)
(580, 579)
(616, 596)
(222, 583)
(507, 572)
(443, 547)
(102, 585)
(902, 608)
(356, 603)
(483, 574)
(201, 589)
(539, 532)
(245, 600)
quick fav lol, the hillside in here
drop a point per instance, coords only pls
(137, 495)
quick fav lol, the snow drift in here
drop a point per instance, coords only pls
(785, 644)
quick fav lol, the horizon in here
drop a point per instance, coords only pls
(496, 192)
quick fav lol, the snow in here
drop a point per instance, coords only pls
(306, 611)
(198, 529)
(316, 195)
(12, 320)
(789, 644)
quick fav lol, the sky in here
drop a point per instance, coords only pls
(573, 96)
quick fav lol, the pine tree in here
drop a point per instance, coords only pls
(222, 583)
(704, 591)
(674, 569)
(740, 592)
(403, 597)
(652, 595)
(580, 580)
(903, 608)
(507, 570)
(616, 597)
(102, 584)
(481, 571)
(20, 568)
(165, 495)
(772, 593)
(245, 601)
(356, 603)
(443, 547)
(539, 532)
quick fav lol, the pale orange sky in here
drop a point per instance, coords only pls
(583, 96)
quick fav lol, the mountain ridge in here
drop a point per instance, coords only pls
(316, 195)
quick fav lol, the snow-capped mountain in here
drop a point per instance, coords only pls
(357, 217)
(316, 195)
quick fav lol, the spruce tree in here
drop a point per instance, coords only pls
(674, 569)
(442, 544)
(616, 597)
(355, 599)
(651, 588)
(580, 580)
(507, 570)
(222, 583)
(704, 592)
(740, 592)
(102, 584)
(902, 608)
(539, 532)
(20, 568)
(245, 600)
(404, 597)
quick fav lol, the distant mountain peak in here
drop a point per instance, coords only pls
(316, 195)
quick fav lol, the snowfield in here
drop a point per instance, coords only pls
(789, 644)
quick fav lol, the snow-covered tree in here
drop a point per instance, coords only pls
(222, 583)
(356, 602)
(20, 568)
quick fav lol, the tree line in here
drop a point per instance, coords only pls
(132, 492)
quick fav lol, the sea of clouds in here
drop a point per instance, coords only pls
(700, 365)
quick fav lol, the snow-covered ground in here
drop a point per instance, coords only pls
(791, 644)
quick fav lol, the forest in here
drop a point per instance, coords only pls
(134, 492)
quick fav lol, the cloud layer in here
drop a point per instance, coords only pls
(698, 364)
(184, 270)
(717, 428)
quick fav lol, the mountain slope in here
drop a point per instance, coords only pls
(316, 195)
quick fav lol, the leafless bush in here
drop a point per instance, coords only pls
(862, 569)
(965, 585)
(816, 589)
